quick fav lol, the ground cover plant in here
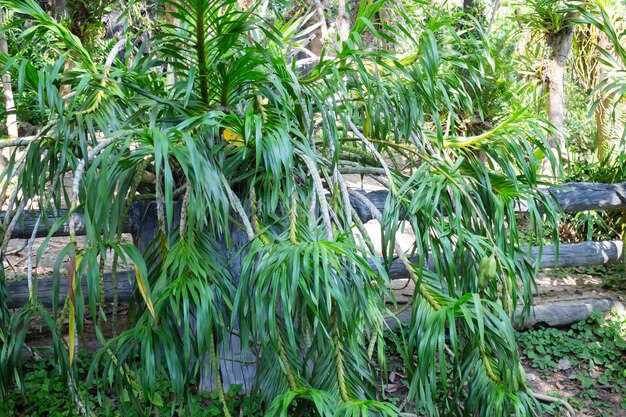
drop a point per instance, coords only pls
(593, 353)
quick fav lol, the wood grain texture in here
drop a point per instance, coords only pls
(553, 314)
(579, 254)
(571, 197)
(576, 254)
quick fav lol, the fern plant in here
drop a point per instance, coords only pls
(256, 236)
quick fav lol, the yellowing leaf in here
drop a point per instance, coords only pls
(233, 138)
(73, 271)
(143, 289)
(72, 333)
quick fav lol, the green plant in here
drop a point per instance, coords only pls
(253, 152)
(595, 224)
(595, 349)
(44, 393)
(613, 59)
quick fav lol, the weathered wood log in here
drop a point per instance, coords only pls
(18, 290)
(569, 255)
(571, 197)
(581, 196)
(553, 314)
(138, 213)
(564, 313)
(26, 224)
(578, 254)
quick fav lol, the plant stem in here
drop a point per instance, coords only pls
(341, 379)
(218, 378)
(283, 358)
(202, 68)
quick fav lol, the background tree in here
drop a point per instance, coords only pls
(553, 20)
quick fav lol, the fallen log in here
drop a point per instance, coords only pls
(553, 314)
(579, 254)
(26, 225)
(18, 290)
(564, 313)
(569, 255)
(571, 197)
(581, 196)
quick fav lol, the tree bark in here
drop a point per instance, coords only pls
(560, 45)
(554, 314)
(9, 103)
(572, 255)
(570, 197)
(602, 125)
(7, 88)
(343, 28)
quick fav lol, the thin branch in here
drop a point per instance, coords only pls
(10, 204)
(17, 142)
(112, 54)
(374, 151)
(29, 261)
(548, 399)
(234, 200)
(319, 189)
(78, 175)
(183, 214)
(11, 227)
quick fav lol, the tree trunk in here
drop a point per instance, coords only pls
(494, 11)
(6, 85)
(570, 197)
(319, 36)
(559, 44)
(343, 28)
(9, 103)
(602, 125)
(56, 8)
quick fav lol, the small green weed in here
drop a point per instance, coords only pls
(594, 351)
(46, 394)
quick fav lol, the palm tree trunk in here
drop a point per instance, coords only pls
(601, 127)
(495, 6)
(601, 111)
(7, 88)
(343, 30)
(559, 44)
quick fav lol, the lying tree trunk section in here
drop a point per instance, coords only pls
(564, 313)
(581, 196)
(579, 254)
(552, 313)
(26, 225)
(572, 197)
(18, 290)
